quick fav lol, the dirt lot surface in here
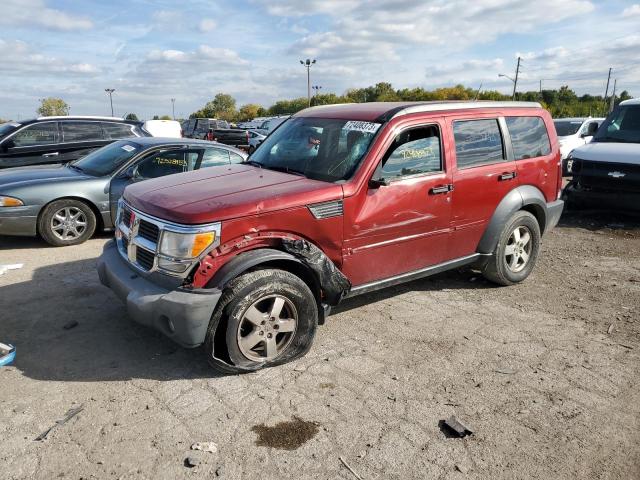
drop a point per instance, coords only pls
(545, 373)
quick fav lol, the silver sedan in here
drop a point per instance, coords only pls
(65, 204)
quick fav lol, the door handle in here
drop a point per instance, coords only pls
(441, 189)
(507, 176)
(53, 154)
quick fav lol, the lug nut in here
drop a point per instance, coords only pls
(269, 335)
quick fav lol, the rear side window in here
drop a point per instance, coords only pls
(478, 142)
(529, 137)
(413, 152)
(235, 158)
(81, 131)
(37, 134)
(116, 131)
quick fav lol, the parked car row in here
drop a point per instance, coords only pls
(217, 130)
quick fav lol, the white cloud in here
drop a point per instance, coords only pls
(35, 13)
(207, 25)
(202, 55)
(632, 11)
(19, 59)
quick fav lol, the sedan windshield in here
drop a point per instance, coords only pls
(567, 127)
(318, 148)
(622, 125)
(108, 159)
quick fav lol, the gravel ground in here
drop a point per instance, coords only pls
(545, 373)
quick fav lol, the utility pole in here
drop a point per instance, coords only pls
(515, 82)
(173, 108)
(613, 96)
(110, 92)
(606, 92)
(307, 64)
(478, 92)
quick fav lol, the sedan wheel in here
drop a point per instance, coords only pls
(66, 222)
(69, 223)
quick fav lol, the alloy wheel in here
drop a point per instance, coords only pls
(518, 249)
(68, 223)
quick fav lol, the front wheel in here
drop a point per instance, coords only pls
(66, 222)
(264, 318)
(517, 251)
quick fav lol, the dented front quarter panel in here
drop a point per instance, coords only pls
(268, 231)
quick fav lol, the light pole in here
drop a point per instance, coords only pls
(110, 92)
(307, 64)
(173, 108)
(514, 83)
(316, 89)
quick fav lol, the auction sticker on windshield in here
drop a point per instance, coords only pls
(367, 127)
(128, 148)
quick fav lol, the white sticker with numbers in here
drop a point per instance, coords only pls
(128, 148)
(366, 127)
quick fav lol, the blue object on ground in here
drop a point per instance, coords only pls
(7, 354)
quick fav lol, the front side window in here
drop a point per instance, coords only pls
(214, 157)
(160, 164)
(529, 137)
(413, 152)
(81, 131)
(622, 125)
(37, 134)
(319, 148)
(478, 142)
(116, 131)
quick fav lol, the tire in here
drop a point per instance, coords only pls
(517, 251)
(80, 227)
(264, 318)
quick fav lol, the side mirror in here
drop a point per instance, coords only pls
(131, 172)
(378, 182)
(7, 145)
(591, 130)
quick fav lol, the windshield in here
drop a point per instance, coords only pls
(108, 159)
(8, 127)
(318, 148)
(567, 127)
(622, 125)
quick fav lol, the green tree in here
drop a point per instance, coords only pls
(222, 107)
(249, 112)
(131, 116)
(52, 106)
(165, 117)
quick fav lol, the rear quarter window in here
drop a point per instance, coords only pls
(529, 137)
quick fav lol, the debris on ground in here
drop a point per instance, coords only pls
(191, 462)
(610, 329)
(505, 371)
(285, 435)
(72, 412)
(7, 354)
(209, 447)
(70, 325)
(344, 462)
(219, 471)
(6, 268)
(455, 426)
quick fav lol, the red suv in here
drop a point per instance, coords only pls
(340, 200)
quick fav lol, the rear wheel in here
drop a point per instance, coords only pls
(66, 222)
(264, 318)
(517, 251)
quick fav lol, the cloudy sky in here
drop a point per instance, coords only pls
(153, 50)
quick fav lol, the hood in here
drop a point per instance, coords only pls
(38, 174)
(221, 193)
(609, 152)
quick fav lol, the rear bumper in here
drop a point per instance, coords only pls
(180, 314)
(602, 198)
(20, 221)
(554, 211)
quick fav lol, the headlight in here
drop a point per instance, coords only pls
(188, 245)
(10, 202)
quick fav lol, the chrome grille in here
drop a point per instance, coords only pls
(145, 258)
(149, 231)
(327, 209)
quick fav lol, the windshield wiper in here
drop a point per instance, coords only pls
(254, 163)
(285, 170)
(75, 167)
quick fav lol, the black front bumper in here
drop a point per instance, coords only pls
(182, 315)
(605, 198)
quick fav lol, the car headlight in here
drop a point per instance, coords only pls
(186, 245)
(10, 202)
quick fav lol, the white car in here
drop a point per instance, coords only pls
(163, 128)
(575, 132)
(255, 139)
